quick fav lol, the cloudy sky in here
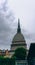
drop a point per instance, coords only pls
(10, 11)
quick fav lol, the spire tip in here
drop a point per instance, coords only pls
(19, 29)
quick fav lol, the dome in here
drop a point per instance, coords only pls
(18, 37)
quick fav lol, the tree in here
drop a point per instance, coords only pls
(1, 57)
(20, 53)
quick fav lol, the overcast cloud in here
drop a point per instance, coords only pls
(10, 11)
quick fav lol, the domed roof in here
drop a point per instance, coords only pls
(18, 37)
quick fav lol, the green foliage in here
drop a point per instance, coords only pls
(1, 57)
(7, 61)
(20, 53)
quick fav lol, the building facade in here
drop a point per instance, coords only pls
(31, 55)
(18, 40)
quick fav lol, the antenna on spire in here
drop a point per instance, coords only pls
(19, 29)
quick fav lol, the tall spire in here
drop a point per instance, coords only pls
(19, 29)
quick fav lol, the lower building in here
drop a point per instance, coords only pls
(31, 55)
(21, 62)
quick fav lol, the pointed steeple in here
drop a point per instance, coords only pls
(19, 29)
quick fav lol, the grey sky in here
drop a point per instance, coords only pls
(10, 11)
